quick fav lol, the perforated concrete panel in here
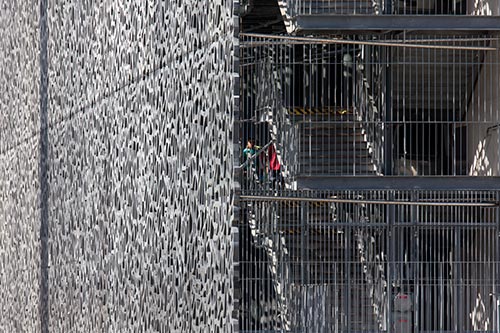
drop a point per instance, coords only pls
(115, 170)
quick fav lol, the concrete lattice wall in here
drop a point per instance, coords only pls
(115, 166)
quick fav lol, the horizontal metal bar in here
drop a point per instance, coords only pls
(323, 23)
(454, 40)
(359, 42)
(307, 120)
(398, 183)
(263, 25)
(370, 202)
(370, 225)
(450, 225)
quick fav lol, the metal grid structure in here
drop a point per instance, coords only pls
(373, 105)
(370, 261)
(389, 7)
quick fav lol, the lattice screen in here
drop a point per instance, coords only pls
(120, 158)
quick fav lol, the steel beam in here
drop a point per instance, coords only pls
(398, 183)
(328, 23)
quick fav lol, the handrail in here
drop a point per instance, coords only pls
(366, 108)
(373, 202)
(315, 40)
(491, 128)
(254, 155)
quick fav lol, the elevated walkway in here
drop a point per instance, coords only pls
(323, 16)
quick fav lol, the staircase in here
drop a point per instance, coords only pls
(319, 263)
(313, 254)
(333, 146)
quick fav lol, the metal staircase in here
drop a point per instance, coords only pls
(344, 105)
(315, 258)
(334, 146)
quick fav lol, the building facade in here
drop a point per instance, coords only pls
(263, 166)
(115, 189)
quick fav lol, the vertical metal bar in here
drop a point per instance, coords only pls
(303, 218)
(414, 257)
(458, 280)
(388, 7)
(496, 92)
(347, 277)
(497, 264)
(390, 211)
(388, 153)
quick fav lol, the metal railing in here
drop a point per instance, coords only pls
(374, 105)
(389, 7)
(372, 261)
(349, 7)
(369, 113)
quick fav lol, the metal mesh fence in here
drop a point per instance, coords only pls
(370, 261)
(371, 105)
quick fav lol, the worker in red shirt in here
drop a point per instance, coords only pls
(274, 166)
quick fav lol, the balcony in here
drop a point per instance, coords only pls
(305, 16)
